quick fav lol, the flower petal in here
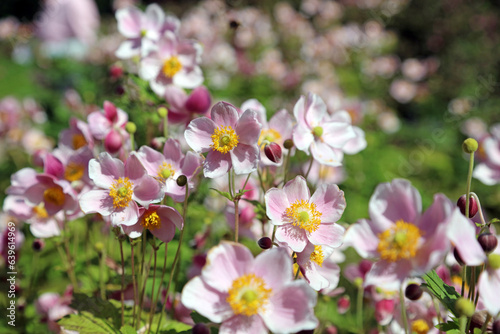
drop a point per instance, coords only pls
(225, 114)
(297, 190)
(199, 133)
(294, 237)
(276, 205)
(105, 170)
(277, 275)
(97, 201)
(216, 164)
(328, 234)
(330, 201)
(245, 158)
(248, 128)
(242, 324)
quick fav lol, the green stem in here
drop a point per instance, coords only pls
(469, 181)
(309, 168)
(285, 167)
(165, 125)
(236, 220)
(143, 289)
(162, 272)
(134, 282)
(404, 318)
(132, 143)
(479, 209)
(122, 294)
(463, 323)
(485, 324)
(359, 306)
(153, 301)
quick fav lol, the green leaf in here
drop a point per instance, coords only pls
(495, 221)
(176, 326)
(102, 309)
(448, 326)
(87, 323)
(224, 193)
(444, 293)
(198, 318)
(127, 330)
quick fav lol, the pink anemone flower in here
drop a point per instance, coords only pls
(251, 295)
(230, 141)
(302, 218)
(121, 186)
(160, 220)
(317, 133)
(407, 242)
(182, 107)
(167, 167)
(317, 267)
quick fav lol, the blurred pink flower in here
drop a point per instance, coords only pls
(52, 307)
(403, 91)
(250, 295)
(488, 171)
(230, 140)
(182, 107)
(77, 136)
(302, 218)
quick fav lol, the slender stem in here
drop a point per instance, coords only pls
(70, 268)
(274, 233)
(464, 276)
(438, 311)
(404, 318)
(65, 262)
(261, 182)
(165, 125)
(143, 289)
(485, 324)
(309, 168)
(162, 272)
(132, 143)
(285, 166)
(153, 300)
(469, 181)
(480, 210)
(176, 258)
(236, 220)
(123, 282)
(463, 323)
(246, 181)
(229, 184)
(477, 294)
(134, 283)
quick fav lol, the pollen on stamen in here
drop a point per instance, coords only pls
(248, 295)
(304, 215)
(224, 139)
(171, 66)
(121, 191)
(270, 135)
(151, 220)
(78, 141)
(317, 256)
(74, 171)
(165, 171)
(399, 242)
(54, 196)
(40, 211)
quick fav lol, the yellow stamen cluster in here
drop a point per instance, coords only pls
(224, 139)
(248, 295)
(317, 256)
(399, 242)
(304, 215)
(165, 171)
(270, 135)
(420, 327)
(171, 66)
(151, 220)
(39, 211)
(121, 191)
(74, 171)
(78, 141)
(54, 196)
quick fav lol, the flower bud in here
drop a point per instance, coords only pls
(198, 101)
(131, 127)
(343, 304)
(113, 142)
(458, 257)
(162, 112)
(157, 143)
(265, 243)
(496, 327)
(53, 166)
(488, 242)
(273, 152)
(38, 245)
(110, 111)
(470, 145)
(200, 329)
(472, 205)
(182, 180)
(413, 292)
(115, 71)
(288, 144)
(464, 307)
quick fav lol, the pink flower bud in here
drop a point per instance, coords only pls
(472, 205)
(115, 71)
(113, 142)
(343, 304)
(53, 166)
(199, 100)
(384, 311)
(110, 111)
(273, 152)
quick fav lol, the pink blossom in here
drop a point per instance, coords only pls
(316, 133)
(143, 30)
(121, 185)
(251, 295)
(302, 218)
(489, 283)
(52, 307)
(174, 62)
(317, 267)
(102, 122)
(183, 107)
(77, 136)
(160, 220)
(167, 167)
(488, 171)
(230, 140)
(405, 241)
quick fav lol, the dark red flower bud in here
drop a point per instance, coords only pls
(38, 245)
(199, 100)
(115, 71)
(113, 142)
(488, 242)
(413, 292)
(265, 243)
(496, 327)
(472, 205)
(273, 152)
(200, 329)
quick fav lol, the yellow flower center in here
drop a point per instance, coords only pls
(248, 295)
(304, 215)
(420, 327)
(224, 139)
(121, 192)
(171, 66)
(78, 141)
(399, 242)
(151, 220)
(40, 211)
(317, 256)
(54, 196)
(165, 171)
(74, 172)
(270, 135)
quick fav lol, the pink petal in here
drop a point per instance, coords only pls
(282, 122)
(150, 159)
(199, 134)
(207, 301)
(462, 234)
(128, 215)
(171, 216)
(224, 114)
(299, 111)
(277, 275)
(297, 190)
(97, 201)
(129, 49)
(134, 170)
(302, 137)
(489, 285)
(99, 125)
(254, 104)
(133, 231)
(216, 164)
(330, 201)
(439, 212)
(242, 324)
(248, 128)
(154, 17)
(291, 309)
(190, 164)
(276, 205)
(245, 158)
(105, 170)
(172, 151)
(176, 97)
(47, 229)
(388, 275)
(328, 234)
(189, 79)
(129, 21)
(294, 237)
(337, 134)
(225, 263)
(362, 237)
(147, 190)
(315, 110)
(149, 68)
(356, 144)
(326, 155)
